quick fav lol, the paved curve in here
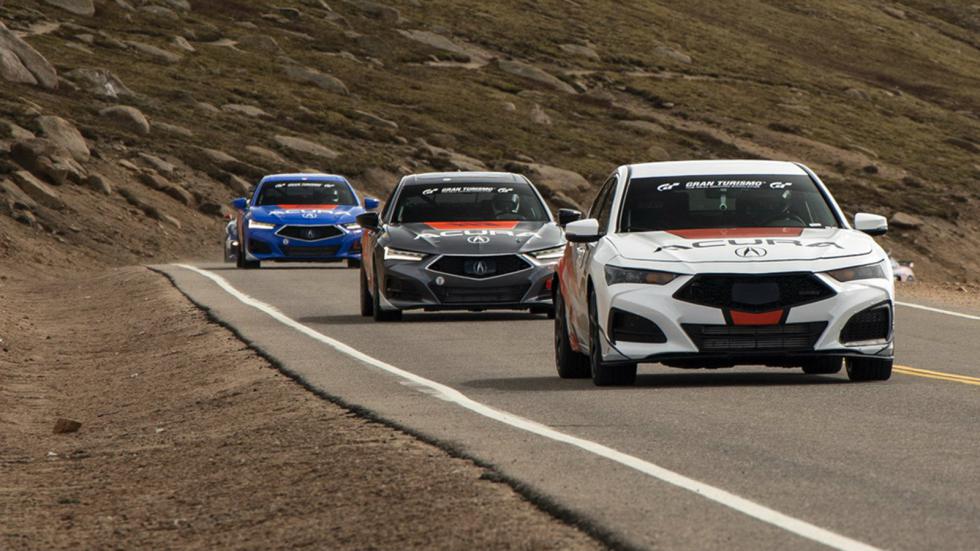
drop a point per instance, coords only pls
(892, 465)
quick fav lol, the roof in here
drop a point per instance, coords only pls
(463, 177)
(707, 168)
(310, 177)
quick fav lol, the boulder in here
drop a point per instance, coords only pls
(19, 59)
(305, 147)
(538, 116)
(77, 7)
(260, 43)
(48, 160)
(153, 180)
(530, 72)
(181, 43)
(237, 184)
(16, 196)
(674, 54)
(376, 10)
(579, 50)
(247, 110)
(551, 177)
(64, 134)
(129, 118)
(156, 53)
(445, 159)
(100, 82)
(174, 129)
(905, 221)
(375, 120)
(100, 183)
(265, 154)
(11, 130)
(158, 164)
(312, 76)
(37, 190)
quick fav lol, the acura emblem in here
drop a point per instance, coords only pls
(478, 239)
(309, 215)
(751, 252)
(481, 268)
(310, 234)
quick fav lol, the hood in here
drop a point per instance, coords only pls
(493, 237)
(732, 247)
(306, 214)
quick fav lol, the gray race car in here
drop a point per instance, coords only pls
(460, 241)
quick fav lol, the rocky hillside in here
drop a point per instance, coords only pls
(127, 125)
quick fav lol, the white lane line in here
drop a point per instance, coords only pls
(938, 310)
(443, 392)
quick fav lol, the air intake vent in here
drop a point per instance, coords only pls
(873, 324)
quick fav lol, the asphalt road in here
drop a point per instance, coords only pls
(745, 458)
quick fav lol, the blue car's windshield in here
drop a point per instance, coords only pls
(305, 193)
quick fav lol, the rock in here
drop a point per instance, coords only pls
(376, 10)
(248, 110)
(905, 221)
(65, 426)
(181, 43)
(964, 144)
(645, 126)
(306, 147)
(288, 13)
(265, 154)
(445, 159)
(16, 196)
(260, 43)
(38, 157)
(161, 12)
(19, 60)
(211, 209)
(531, 72)
(538, 116)
(64, 134)
(587, 52)
(157, 53)
(37, 190)
(375, 120)
(205, 106)
(153, 180)
(671, 53)
(656, 154)
(11, 130)
(870, 169)
(324, 81)
(25, 217)
(174, 129)
(508, 106)
(894, 12)
(130, 118)
(219, 158)
(78, 7)
(857, 93)
(551, 177)
(100, 82)
(237, 184)
(100, 183)
(158, 164)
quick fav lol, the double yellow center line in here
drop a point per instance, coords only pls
(905, 370)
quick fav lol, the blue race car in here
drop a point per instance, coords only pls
(299, 218)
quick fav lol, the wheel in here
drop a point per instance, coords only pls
(822, 366)
(367, 302)
(243, 262)
(353, 262)
(868, 369)
(571, 364)
(604, 374)
(377, 311)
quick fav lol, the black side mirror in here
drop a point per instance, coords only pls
(567, 216)
(369, 220)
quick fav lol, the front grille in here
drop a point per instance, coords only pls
(628, 327)
(793, 337)
(748, 293)
(309, 252)
(309, 233)
(873, 324)
(480, 295)
(479, 267)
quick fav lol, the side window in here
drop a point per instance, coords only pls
(389, 202)
(605, 206)
(599, 199)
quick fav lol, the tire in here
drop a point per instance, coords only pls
(353, 263)
(377, 311)
(367, 302)
(604, 374)
(570, 364)
(868, 369)
(243, 262)
(823, 366)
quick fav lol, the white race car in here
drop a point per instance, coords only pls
(706, 264)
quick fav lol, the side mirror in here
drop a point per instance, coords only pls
(567, 216)
(583, 231)
(369, 220)
(371, 203)
(240, 203)
(871, 224)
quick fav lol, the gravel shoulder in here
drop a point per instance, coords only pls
(190, 440)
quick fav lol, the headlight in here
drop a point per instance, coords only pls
(868, 271)
(548, 255)
(396, 254)
(255, 225)
(353, 226)
(616, 275)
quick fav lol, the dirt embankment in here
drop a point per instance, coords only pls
(189, 440)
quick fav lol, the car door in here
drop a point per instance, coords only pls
(581, 256)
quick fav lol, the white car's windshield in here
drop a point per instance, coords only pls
(729, 201)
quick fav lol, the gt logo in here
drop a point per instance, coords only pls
(478, 239)
(751, 252)
(667, 187)
(429, 191)
(780, 185)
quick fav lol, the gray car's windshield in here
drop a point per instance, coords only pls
(729, 201)
(468, 202)
(305, 193)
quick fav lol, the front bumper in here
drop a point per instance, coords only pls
(408, 285)
(807, 331)
(266, 245)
